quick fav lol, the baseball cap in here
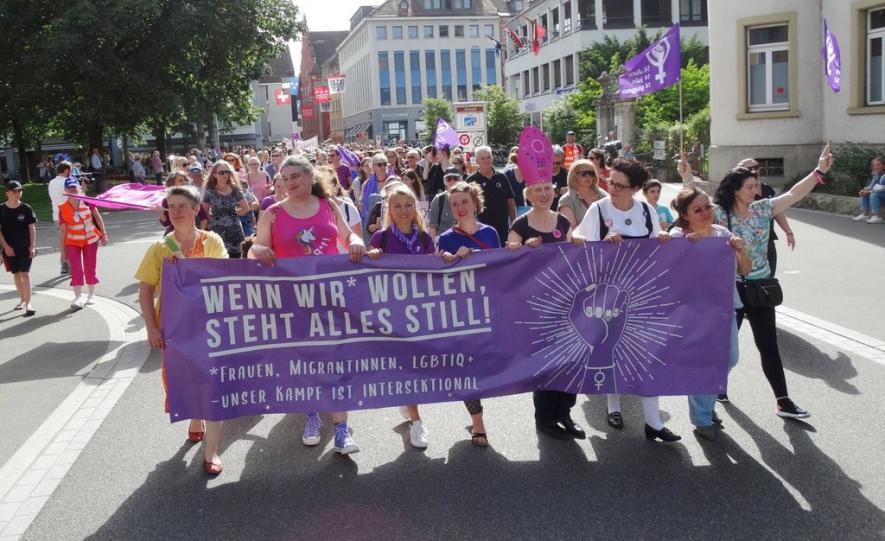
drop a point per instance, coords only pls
(196, 168)
(452, 172)
(71, 182)
(570, 132)
(13, 185)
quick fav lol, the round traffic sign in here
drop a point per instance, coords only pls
(464, 139)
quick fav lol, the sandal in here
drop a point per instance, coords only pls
(197, 437)
(479, 439)
(19, 306)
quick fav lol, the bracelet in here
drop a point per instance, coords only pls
(819, 174)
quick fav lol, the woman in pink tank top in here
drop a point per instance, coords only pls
(307, 222)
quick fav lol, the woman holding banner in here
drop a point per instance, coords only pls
(750, 219)
(185, 240)
(542, 225)
(404, 233)
(307, 222)
(694, 223)
(616, 218)
(467, 236)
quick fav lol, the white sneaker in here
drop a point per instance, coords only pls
(312, 425)
(77, 304)
(90, 300)
(860, 217)
(874, 220)
(418, 435)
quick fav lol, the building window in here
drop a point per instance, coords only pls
(475, 68)
(399, 70)
(617, 14)
(526, 89)
(557, 74)
(474, 30)
(771, 167)
(768, 68)
(535, 81)
(428, 31)
(413, 32)
(396, 32)
(443, 30)
(462, 4)
(517, 5)
(415, 68)
(461, 70)
(554, 19)
(432, 4)
(524, 34)
(490, 30)
(656, 13)
(545, 77)
(587, 14)
(543, 23)
(445, 61)
(459, 30)
(491, 67)
(567, 17)
(384, 77)
(381, 32)
(430, 67)
(693, 12)
(569, 70)
(875, 67)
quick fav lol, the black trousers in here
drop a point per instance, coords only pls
(551, 406)
(765, 335)
(772, 256)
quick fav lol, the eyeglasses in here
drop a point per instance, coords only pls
(700, 210)
(618, 187)
(586, 173)
(222, 172)
(275, 155)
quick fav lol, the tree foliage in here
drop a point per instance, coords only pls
(503, 119)
(94, 67)
(435, 108)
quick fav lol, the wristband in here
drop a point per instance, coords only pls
(819, 174)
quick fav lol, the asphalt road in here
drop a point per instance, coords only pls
(763, 478)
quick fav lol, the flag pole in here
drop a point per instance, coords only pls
(681, 144)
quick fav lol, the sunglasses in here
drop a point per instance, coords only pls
(222, 172)
(586, 174)
(557, 163)
(618, 187)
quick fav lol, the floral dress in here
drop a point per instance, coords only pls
(225, 220)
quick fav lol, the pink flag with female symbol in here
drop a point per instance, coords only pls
(535, 156)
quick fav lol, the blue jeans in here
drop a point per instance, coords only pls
(872, 203)
(700, 406)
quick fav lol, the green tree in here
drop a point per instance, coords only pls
(503, 119)
(435, 108)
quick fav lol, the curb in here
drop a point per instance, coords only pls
(31, 475)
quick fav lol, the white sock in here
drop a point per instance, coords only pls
(652, 410)
(614, 402)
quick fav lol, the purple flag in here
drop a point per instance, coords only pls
(832, 59)
(348, 158)
(325, 334)
(655, 68)
(128, 196)
(445, 134)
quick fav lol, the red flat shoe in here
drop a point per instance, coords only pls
(197, 437)
(212, 468)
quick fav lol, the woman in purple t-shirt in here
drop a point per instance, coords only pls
(404, 233)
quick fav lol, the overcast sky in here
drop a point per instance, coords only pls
(326, 15)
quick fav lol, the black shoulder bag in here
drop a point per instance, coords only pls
(759, 293)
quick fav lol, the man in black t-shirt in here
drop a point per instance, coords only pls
(18, 234)
(500, 204)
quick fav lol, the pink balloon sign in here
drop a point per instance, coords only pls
(535, 156)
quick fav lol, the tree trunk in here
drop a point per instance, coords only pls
(160, 136)
(201, 135)
(24, 162)
(126, 169)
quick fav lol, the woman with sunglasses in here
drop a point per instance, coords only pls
(597, 156)
(694, 223)
(583, 191)
(224, 201)
(616, 218)
(749, 219)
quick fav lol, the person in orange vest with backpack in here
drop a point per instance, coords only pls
(82, 229)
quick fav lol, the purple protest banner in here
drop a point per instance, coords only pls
(445, 134)
(128, 196)
(325, 334)
(832, 59)
(655, 68)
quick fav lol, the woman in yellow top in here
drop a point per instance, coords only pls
(184, 204)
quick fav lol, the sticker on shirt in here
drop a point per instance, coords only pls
(310, 243)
